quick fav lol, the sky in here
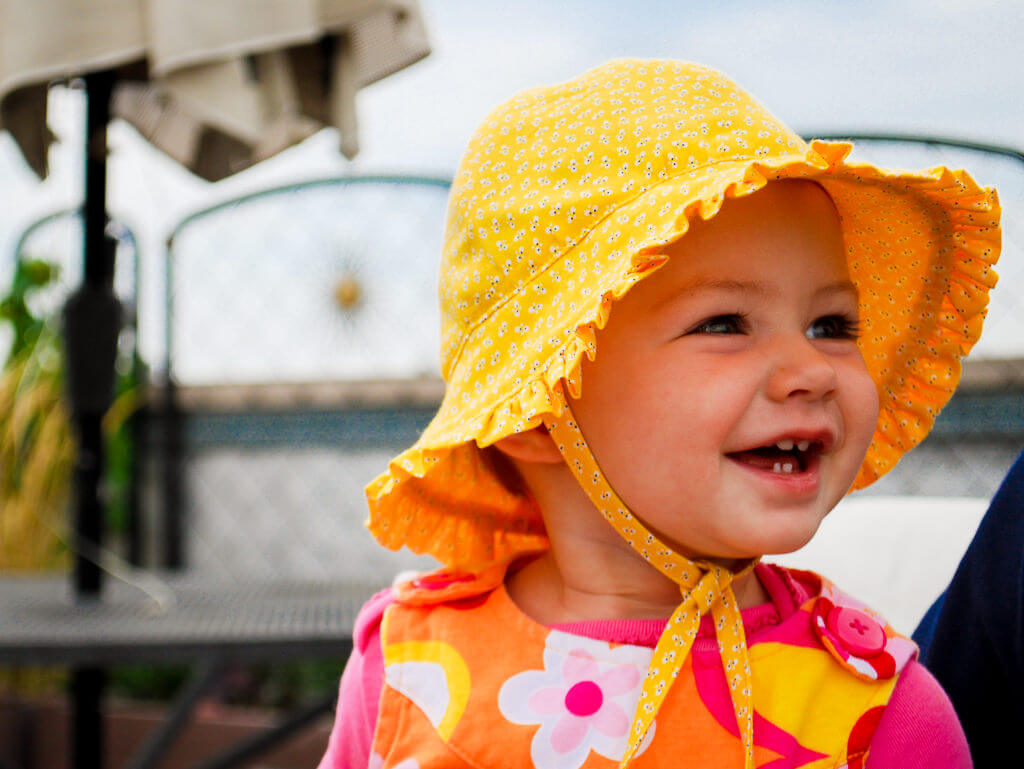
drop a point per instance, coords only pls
(941, 67)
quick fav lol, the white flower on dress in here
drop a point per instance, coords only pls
(377, 762)
(584, 699)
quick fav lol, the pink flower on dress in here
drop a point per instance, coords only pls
(584, 700)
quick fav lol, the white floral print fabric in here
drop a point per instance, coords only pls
(583, 700)
(377, 762)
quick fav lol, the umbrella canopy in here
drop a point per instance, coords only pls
(216, 84)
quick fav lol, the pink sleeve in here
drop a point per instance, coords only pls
(919, 728)
(359, 692)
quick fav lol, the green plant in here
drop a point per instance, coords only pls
(30, 275)
(157, 683)
(36, 444)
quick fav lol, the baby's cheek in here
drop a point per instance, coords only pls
(861, 413)
(869, 407)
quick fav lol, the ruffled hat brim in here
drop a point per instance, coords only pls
(921, 249)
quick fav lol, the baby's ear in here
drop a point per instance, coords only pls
(534, 445)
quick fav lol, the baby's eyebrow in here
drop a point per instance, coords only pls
(840, 287)
(724, 284)
(751, 287)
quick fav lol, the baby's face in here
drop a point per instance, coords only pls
(729, 405)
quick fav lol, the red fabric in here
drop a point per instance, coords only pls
(918, 730)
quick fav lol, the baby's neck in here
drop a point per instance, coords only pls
(552, 593)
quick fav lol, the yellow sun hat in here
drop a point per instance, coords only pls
(564, 199)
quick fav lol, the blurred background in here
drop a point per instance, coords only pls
(282, 323)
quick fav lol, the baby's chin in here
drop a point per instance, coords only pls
(775, 532)
(779, 541)
(789, 541)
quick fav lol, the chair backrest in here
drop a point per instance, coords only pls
(57, 239)
(322, 281)
(302, 339)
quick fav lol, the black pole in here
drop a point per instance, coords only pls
(140, 430)
(92, 321)
(173, 433)
(173, 472)
(87, 747)
(139, 425)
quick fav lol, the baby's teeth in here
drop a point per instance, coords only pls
(785, 445)
(787, 468)
(803, 445)
(782, 469)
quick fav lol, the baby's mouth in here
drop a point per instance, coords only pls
(786, 457)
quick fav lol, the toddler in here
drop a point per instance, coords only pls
(674, 336)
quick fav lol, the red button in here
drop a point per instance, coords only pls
(859, 633)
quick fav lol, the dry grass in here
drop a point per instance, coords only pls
(36, 459)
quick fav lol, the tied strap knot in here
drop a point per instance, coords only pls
(705, 588)
(709, 588)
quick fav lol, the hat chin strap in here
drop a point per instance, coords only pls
(705, 588)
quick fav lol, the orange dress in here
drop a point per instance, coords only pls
(470, 681)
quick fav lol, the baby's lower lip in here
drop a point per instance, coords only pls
(803, 479)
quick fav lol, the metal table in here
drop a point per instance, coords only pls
(176, 619)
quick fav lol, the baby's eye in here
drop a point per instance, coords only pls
(721, 324)
(834, 327)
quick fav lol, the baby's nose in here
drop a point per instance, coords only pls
(800, 369)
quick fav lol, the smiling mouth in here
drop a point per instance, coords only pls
(787, 457)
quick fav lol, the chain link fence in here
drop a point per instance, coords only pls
(329, 280)
(276, 301)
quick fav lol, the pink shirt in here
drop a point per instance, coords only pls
(919, 728)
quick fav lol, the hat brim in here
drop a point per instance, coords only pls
(923, 279)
